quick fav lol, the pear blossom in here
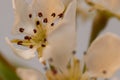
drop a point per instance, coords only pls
(49, 29)
(103, 56)
(72, 72)
(109, 7)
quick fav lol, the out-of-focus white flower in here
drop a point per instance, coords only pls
(29, 74)
(103, 56)
(50, 29)
(109, 7)
(72, 72)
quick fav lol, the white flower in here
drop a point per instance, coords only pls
(29, 74)
(49, 28)
(103, 56)
(72, 72)
(111, 7)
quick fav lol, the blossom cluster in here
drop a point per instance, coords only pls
(50, 30)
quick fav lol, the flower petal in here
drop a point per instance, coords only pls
(111, 5)
(29, 74)
(66, 2)
(62, 40)
(26, 54)
(47, 9)
(22, 20)
(103, 56)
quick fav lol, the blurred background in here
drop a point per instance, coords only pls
(84, 30)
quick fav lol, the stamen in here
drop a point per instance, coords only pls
(34, 30)
(85, 53)
(19, 42)
(60, 15)
(54, 72)
(53, 69)
(37, 23)
(45, 20)
(27, 37)
(74, 52)
(40, 14)
(52, 24)
(21, 30)
(31, 46)
(44, 63)
(51, 60)
(43, 45)
(53, 14)
(30, 15)
(104, 71)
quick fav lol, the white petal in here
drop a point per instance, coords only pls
(47, 7)
(114, 78)
(62, 40)
(66, 2)
(103, 56)
(19, 5)
(29, 74)
(112, 5)
(22, 20)
(26, 54)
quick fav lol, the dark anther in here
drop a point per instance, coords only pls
(31, 46)
(44, 63)
(52, 24)
(74, 52)
(40, 14)
(54, 71)
(51, 60)
(34, 30)
(30, 15)
(60, 15)
(85, 53)
(21, 30)
(53, 14)
(27, 37)
(104, 71)
(45, 20)
(19, 42)
(43, 45)
(37, 22)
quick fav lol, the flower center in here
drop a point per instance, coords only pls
(39, 39)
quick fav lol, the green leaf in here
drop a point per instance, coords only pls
(6, 73)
